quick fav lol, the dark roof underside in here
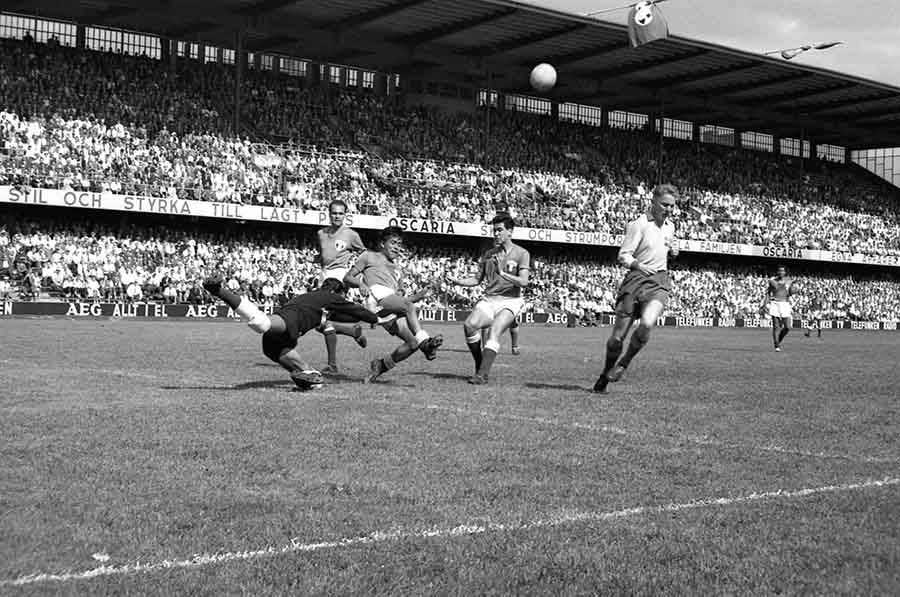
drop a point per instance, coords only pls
(692, 80)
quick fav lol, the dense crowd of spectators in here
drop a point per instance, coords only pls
(104, 121)
(79, 259)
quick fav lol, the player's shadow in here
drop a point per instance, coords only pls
(455, 376)
(553, 386)
(248, 385)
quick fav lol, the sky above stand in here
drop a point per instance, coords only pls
(870, 30)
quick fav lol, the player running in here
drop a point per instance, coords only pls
(338, 244)
(814, 318)
(281, 330)
(649, 242)
(505, 270)
(375, 274)
(777, 292)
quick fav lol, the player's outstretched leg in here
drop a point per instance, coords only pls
(502, 320)
(402, 307)
(384, 364)
(514, 337)
(614, 347)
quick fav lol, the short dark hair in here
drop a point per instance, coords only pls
(333, 285)
(504, 218)
(665, 189)
(389, 232)
(337, 202)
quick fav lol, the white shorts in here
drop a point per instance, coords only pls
(336, 273)
(492, 305)
(377, 293)
(781, 309)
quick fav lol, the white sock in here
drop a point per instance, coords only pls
(256, 319)
(422, 336)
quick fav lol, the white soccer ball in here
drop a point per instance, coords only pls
(643, 13)
(543, 77)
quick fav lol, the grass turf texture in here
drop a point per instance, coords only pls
(155, 441)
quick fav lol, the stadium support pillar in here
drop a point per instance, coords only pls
(813, 150)
(165, 50)
(257, 62)
(391, 85)
(201, 53)
(313, 74)
(554, 110)
(80, 37)
(240, 59)
(381, 84)
(342, 75)
(738, 140)
(695, 133)
(604, 117)
(776, 144)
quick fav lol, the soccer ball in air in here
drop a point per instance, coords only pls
(643, 13)
(543, 77)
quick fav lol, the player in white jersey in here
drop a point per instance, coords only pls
(778, 291)
(649, 242)
(338, 246)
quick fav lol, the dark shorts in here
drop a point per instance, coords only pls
(273, 344)
(638, 289)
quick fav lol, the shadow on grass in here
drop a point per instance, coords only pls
(455, 376)
(562, 386)
(249, 385)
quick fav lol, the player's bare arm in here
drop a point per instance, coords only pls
(354, 278)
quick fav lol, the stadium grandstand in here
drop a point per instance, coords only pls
(419, 112)
(147, 146)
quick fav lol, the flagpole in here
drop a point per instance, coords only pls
(662, 128)
(623, 7)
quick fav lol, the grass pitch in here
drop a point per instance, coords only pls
(172, 458)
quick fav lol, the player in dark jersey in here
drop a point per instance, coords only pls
(778, 291)
(338, 245)
(505, 270)
(281, 330)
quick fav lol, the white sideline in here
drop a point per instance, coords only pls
(690, 438)
(445, 532)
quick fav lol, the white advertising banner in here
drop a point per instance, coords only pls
(288, 215)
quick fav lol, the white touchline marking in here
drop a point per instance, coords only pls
(462, 530)
(695, 439)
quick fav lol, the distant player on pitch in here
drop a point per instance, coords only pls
(338, 244)
(505, 270)
(375, 274)
(649, 242)
(778, 291)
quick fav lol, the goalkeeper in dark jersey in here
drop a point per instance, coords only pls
(281, 330)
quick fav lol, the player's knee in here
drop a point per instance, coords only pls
(614, 344)
(642, 333)
(260, 323)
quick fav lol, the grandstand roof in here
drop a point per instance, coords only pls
(692, 80)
